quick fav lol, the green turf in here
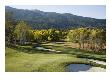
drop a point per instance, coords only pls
(27, 59)
(77, 52)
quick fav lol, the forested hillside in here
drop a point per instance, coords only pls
(42, 20)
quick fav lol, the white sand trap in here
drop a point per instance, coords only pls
(97, 61)
(96, 69)
(41, 48)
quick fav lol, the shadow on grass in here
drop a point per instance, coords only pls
(31, 50)
(78, 52)
(64, 50)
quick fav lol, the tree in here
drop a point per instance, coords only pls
(30, 36)
(74, 36)
(83, 35)
(9, 28)
(95, 39)
(98, 37)
(21, 32)
(78, 36)
(54, 35)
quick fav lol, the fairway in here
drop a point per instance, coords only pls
(29, 59)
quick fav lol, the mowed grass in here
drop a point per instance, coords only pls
(20, 61)
(27, 59)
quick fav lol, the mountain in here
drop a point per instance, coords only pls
(41, 20)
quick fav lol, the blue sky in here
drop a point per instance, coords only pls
(93, 11)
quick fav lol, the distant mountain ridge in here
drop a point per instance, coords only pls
(42, 20)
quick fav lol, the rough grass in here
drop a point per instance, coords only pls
(66, 48)
(28, 59)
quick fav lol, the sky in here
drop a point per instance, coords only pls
(93, 11)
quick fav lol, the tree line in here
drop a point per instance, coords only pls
(88, 39)
(20, 33)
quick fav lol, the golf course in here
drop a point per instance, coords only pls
(39, 41)
(56, 58)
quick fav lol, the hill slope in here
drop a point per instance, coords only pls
(39, 19)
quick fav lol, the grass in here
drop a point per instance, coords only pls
(28, 59)
(66, 48)
(20, 61)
